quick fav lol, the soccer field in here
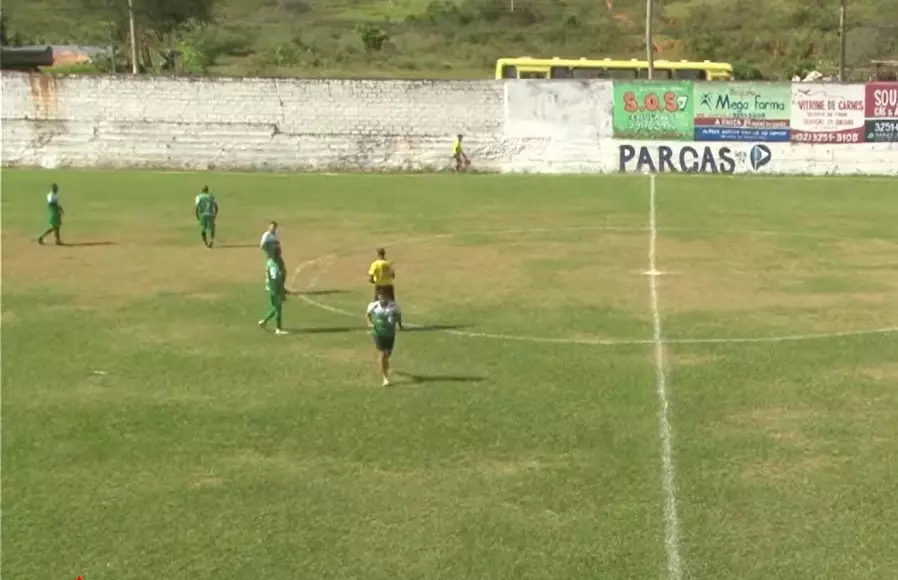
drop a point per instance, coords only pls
(561, 410)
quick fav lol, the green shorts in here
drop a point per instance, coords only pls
(55, 221)
(207, 223)
(384, 344)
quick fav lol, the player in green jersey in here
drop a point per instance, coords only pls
(206, 208)
(277, 293)
(54, 215)
(383, 315)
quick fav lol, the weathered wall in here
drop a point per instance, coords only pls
(547, 126)
(246, 123)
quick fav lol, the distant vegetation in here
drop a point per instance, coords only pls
(463, 38)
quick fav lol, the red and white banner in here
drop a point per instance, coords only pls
(827, 113)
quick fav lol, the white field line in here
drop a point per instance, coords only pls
(668, 484)
(704, 176)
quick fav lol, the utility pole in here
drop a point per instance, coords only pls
(842, 10)
(133, 39)
(649, 45)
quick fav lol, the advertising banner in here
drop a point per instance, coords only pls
(742, 112)
(653, 110)
(675, 157)
(881, 114)
(827, 113)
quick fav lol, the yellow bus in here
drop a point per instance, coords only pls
(526, 67)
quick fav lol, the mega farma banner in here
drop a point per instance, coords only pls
(742, 111)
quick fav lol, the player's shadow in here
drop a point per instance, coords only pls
(435, 327)
(319, 292)
(87, 244)
(328, 329)
(421, 379)
(235, 246)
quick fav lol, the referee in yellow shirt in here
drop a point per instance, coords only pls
(382, 275)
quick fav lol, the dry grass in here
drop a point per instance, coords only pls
(526, 271)
(783, 426)
(755, 278)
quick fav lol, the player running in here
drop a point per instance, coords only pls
(461, 160)
(277, 293)
(206, 207)
(382, 274)
(54, 215)
(382, 316)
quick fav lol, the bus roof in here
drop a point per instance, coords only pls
(609, 62)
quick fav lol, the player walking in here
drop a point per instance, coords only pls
(277, 293)
(54, 215)
(461, 160)
(382, 274)
(383, 315)
(271, 245)
(206, 207)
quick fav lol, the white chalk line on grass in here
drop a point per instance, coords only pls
(329, 258)
(668, 470)
(704, 176)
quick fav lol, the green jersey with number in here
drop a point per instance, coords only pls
(384, 318)
(206, 206)
(274, 277)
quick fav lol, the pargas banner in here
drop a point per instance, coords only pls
(741, 112)
(683, 158)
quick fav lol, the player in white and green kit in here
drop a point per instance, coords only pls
(54, 215)
(277, 293)
(271, 245)
(383, 316)
(206, 209)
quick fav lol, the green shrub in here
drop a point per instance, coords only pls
(372, 37)
(82, 68)
(745, 72)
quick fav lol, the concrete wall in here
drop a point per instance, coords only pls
(550, 126)
(334, 125)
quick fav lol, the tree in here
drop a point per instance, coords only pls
(4, 29)
(159, 17)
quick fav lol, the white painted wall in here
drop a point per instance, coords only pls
(342, 125)
(125, 121)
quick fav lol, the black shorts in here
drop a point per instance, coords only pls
(385, 344)
(388, 290)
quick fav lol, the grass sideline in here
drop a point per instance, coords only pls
(151, 430)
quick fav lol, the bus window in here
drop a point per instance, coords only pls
(583, 72)
(691, 75)
(560, 72)
(531, 74)
(622, 73)
(661, 74)
(509, 72)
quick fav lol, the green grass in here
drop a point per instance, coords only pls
(152, 430)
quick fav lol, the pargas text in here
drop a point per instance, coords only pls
(684, 159)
